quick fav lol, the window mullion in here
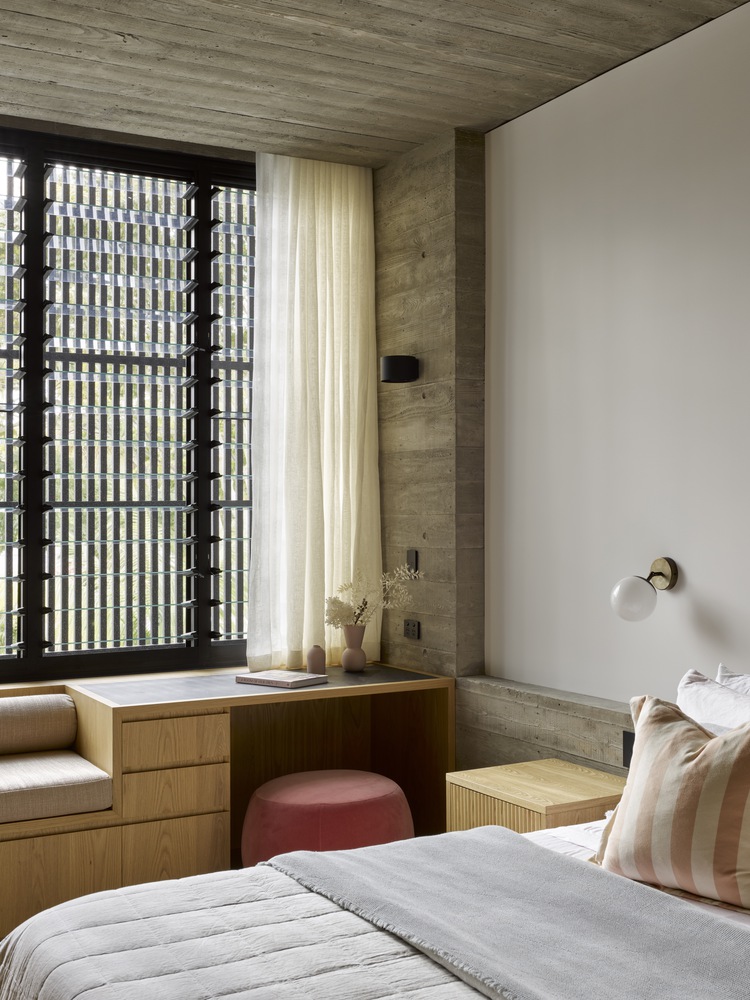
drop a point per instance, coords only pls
(202, 422)
(32, 493)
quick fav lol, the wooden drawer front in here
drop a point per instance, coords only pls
(179, 791)
(175, 848)
(197, 739)
(44, 871)
(468, 808)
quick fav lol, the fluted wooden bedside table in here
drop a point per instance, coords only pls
(533, 795)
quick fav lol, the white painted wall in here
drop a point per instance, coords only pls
(618, 371)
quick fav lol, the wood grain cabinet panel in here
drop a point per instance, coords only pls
(196, 739)
(175, 848)
(531, 795)
(177, 791)
(44, 871)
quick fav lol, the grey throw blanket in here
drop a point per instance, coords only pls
(523, 923)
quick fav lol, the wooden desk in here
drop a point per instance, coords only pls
(186, 752)
(197, 746)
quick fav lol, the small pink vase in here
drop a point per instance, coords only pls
(316, 660)
(353, 657)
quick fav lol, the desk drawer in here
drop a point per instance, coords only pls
(196, 739)
(178, 791)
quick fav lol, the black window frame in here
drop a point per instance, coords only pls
(206, 650)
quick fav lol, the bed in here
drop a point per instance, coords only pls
(485, 912)
(263, 933)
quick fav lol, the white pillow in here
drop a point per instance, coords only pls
(711, 704)
(737, 682)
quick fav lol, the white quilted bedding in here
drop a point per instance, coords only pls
(253, 934)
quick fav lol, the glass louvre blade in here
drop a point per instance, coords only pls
(236, 383)
(119, 506)
(107, 214)
(119, 501)
(100, 279)
(96, 376)
(11, 271)
(125, 443)
(118, 249)
(232, 354)
(130, 476)
(70, 311)
(236, 228)
(120, 347)
(234, 416)
(129, 541)
(234, 271)
(239, 262)
(113, 411)
(122, 573)
(163, 640)
(12, 197)
(128, 607)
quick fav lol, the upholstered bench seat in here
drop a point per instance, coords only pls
(40, 775)
(51, 783)
(324, 811)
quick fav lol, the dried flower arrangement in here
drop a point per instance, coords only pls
(359, 601)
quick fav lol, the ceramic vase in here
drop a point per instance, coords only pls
(354, 657)
(316, 660)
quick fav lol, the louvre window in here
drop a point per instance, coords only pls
(126, 408)
(11, 273)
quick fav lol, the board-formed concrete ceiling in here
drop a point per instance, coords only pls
(359, 81)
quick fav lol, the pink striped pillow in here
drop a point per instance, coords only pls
(684, 818)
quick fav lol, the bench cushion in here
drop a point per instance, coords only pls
(37, 722)
(53, 783)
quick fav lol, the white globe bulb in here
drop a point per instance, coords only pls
(633, 598)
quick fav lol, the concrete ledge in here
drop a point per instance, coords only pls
(501, 721)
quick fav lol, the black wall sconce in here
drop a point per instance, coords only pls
(399, 368)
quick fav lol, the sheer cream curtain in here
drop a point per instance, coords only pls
(316, 503)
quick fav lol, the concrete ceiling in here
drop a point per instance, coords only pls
(359, 81)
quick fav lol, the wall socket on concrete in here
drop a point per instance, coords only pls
(628, 739)
(412, 628)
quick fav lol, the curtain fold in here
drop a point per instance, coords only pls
(316, 499)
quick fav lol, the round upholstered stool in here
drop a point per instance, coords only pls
(323, 811)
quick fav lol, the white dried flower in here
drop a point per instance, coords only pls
(365, 600)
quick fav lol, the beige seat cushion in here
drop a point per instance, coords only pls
(53, 783)
(37, 722)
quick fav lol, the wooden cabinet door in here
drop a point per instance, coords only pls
(44, 871)
(175, 848)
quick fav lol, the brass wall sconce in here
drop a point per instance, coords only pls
(634, 597)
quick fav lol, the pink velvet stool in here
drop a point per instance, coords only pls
(323, 811)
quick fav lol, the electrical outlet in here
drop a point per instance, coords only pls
(412, 628)
(627, 747)
(412, 559)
